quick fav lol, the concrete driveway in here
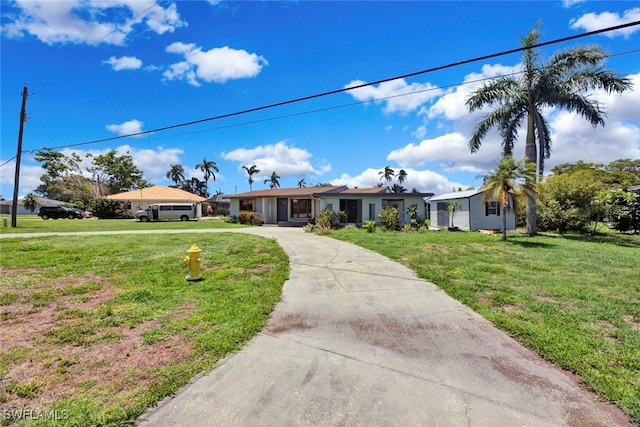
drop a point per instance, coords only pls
(359, 340)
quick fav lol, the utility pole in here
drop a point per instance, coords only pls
(16, 182)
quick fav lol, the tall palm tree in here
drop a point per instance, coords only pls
(252, 170)
(509, 178)
(176, 174)
(302, 183)
(273, 181)
(387, 174)
(207, 168)
(402, 176)
(559, 82)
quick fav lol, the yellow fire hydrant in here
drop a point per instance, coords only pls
(192, 260)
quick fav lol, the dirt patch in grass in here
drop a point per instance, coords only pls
(36, 370)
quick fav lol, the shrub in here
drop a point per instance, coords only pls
(370, 226)
(233, 219)
(257, 219)
(105, 208)
(309, 228)
(388, 217)
(246, 217)
(327, 219)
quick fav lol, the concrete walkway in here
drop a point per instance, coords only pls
(359, 340)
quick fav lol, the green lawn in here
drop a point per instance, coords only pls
(100, 328)
(34, 224)
(573, 299)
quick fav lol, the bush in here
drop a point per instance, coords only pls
(233, 219)
(257, 219)
(105, 208)
(388, 217)
(370, 226)
(327, 219)
(246, 218)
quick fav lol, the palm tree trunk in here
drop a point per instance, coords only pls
(530, 157)
(504, 223)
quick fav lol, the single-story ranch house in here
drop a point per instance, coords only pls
(142, 198)
(296, 206)
(6, 205)
(473, 214)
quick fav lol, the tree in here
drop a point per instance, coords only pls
(116, 173)
(176, 174)
(302, 183)
(273, 181)
(207, 168)
(397, 188)
(194, 186)
(452, 207)
(252, 170)
(30, 202)
(508, 178)
(402, 176)
(387, 174)
(559, 82)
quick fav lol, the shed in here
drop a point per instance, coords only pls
(473, 214)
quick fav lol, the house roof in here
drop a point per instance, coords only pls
(456, 195)
(320, 191)
(159, 193)
(289, 192)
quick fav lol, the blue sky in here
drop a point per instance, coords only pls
(96, 72)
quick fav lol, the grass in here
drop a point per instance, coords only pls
(573, 299)
(34, 224)
(97, 329)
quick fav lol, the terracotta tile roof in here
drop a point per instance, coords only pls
(158, 193)
(374, 190)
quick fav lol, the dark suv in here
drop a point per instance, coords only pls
(56, 212)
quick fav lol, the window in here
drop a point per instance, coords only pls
(247, 204)
(372, 211)
(492, 208)
(300, 208)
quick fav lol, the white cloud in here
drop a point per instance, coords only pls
(596, 21)
(126, 128)
(399, 96)
(216, 65)
(569, 3)
(575, 139)
(88, 21)
(450, 147)
(422, 180)
(29, 178)
(124, 63)
(452, 105)
(285, 160)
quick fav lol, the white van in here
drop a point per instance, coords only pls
(167, 212)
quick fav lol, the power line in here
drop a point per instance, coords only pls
(336, 91)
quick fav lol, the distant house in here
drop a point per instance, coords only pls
(473, 214)
(133, 201)
(5, 205)
(219, 204)
(296, 206)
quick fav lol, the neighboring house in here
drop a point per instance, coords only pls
(142, 198)
(296, 206)
(5, 205)
(473, 214)
(218, 204)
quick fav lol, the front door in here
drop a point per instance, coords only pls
(283, 214)
(443, 215)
